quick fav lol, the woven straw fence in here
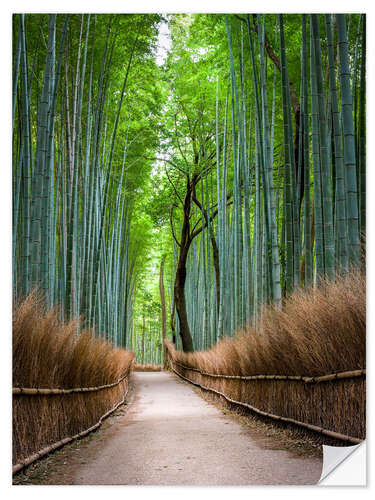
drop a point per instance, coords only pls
(44, 419)
(333, 405)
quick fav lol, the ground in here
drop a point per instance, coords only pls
(169, 435)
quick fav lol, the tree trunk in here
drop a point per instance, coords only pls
(179, 298)
(180, 279)
(186, 239)
(173, 323)
(215, 253)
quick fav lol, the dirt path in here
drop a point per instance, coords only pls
(171, 436)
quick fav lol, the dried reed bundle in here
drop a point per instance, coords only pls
(317, 332)
(48, 353)
(147, 368)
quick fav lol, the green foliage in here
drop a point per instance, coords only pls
(109, 178)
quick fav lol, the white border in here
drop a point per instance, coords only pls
(143, 6)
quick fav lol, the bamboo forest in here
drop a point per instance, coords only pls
(180, 179)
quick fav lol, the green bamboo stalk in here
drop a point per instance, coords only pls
(342, 251)
(257, 232)
(38, 216)
(349, 144)
(318, 216)
(109, 170)
(222, 241)
(288, 156)
(268, 176)
(26, 167)
(16, 67)
(362, 138)
(355, 84)
(306, 159)
(329, 250)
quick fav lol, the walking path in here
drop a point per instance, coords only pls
(171, 436)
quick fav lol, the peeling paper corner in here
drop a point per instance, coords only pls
(344, 465)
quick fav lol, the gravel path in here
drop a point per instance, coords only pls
(171, 436)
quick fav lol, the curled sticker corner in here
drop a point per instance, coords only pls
(355, 468)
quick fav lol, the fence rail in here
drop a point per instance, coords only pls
(36, 391)
(315, 428)
(302, 378)
(335, 411)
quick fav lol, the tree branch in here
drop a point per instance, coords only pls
(178, 142)
(214, 214)
(168, 161)
(175, 190)
(240, 18)
(172, 226)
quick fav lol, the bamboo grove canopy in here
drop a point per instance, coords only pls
(239, 162)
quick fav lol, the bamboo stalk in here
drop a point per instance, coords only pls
(349, 143)
(329, 250)
(306, 160)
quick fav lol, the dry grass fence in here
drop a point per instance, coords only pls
(48, 354)
(147, 368)
(286, 361)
